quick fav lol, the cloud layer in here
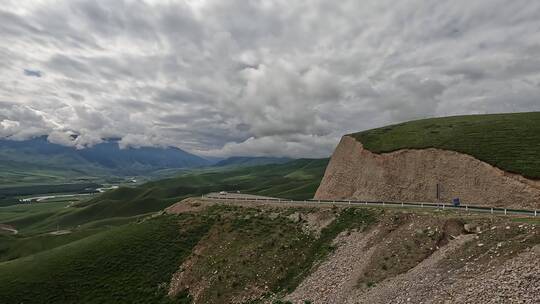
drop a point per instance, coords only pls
(239, 77)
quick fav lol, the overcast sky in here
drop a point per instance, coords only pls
(240, 77)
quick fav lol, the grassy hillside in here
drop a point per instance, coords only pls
(13, 247)
(253, 253)
(129, 264)
(134, 263)
(13, 173)
(257, 254)
(508, 141)
(297, 179)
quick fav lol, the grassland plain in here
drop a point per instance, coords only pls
(510, 142)
(296, 180)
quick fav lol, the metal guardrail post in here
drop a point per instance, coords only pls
(422, 205)
(504, 211)
(401, 204)
(491, 210)
(534, 212)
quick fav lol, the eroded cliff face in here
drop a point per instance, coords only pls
(413, 175)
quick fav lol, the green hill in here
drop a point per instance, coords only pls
(510, 142)
(134, 263)
(297, 179)
(128, 264)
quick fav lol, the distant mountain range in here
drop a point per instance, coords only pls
(39, 162)
(103, 157)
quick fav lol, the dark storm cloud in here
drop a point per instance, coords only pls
(32, 73)
(258, 77)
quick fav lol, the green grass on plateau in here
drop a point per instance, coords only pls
(510, 142)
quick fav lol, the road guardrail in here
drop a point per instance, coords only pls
(469, 208)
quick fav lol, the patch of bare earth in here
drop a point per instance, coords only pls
(516, 281)
(183, 278)
(405, 241)
(413, 285)
(423, 259)
(313, 217)
(335, 278)
(187, 205)
(413, 175)
(398, 243)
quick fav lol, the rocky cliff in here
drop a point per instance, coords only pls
(413, 175)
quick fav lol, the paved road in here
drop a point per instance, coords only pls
(467, 208)
(235, 195)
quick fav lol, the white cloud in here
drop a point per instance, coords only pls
(258, 77)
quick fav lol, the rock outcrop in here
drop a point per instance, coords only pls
(412, 175)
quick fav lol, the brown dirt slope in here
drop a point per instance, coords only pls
(335, 278)
(412, 258)
(495, 265)
(412, 175)
(265, 252)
